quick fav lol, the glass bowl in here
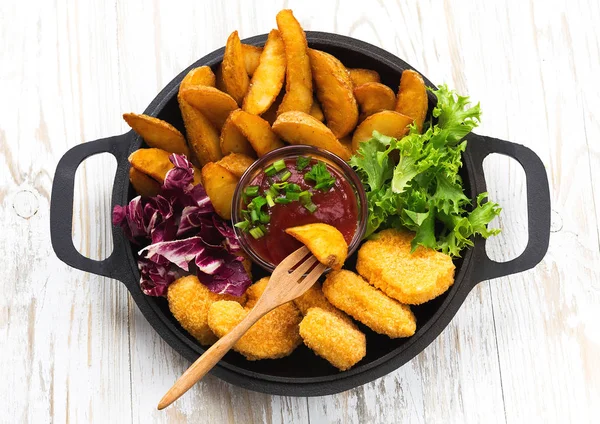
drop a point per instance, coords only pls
(288, 152)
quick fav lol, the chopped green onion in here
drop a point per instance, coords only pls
(264, 218)
(251, 191)
(243, 225)
(270, 171)
(283, 200)
(280, 186)
(305, 197)
(256, 232)
(258, 202)
(292, 187)
(286, 175)
(321, 176)
(270, 200)
(302, 162)
(279, 165)
(273, 191)
(245, 214)
(325, 185)
(262, 228)
(245, 198)
(292, 195)
(254, 215)
(311, 207)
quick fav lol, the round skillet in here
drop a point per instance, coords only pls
(303, 373)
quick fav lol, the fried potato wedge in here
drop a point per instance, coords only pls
(236, 163)
(387, 263)
(268, 78)
(189, 302)
(257, 131)
(202, 75)
(387, 122)
(301, 128)
(334, 91)
(233, 141)
(382, 314)
(324, 241)
(316, 111)
(157, 133)
(298, 78)
(143, 185)
(212, 102)
(373, 97)
(219, 78)
(155, 164)
(361, 76)
(270, 114)
(235, 77)
(412, 97)
(219, 184)
(338, 341)
(251, 57)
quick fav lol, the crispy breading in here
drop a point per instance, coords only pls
(314, 298)
(338, 341)
(382, 314)
(273, 336)
(411, 278)
(189, 301)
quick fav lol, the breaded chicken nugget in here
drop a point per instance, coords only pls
(353, 295)
(273, 336)
(189, 301)
(314, 298)
(338, 341)
(411, 278)
(255, 291)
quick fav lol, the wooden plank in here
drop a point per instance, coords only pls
(65, 350)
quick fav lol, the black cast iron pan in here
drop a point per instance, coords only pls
(303, 373)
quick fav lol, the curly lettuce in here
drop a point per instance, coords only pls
(414, 182)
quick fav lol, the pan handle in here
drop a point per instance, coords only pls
(538, 206)
(61, 207)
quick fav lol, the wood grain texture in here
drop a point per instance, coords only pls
(523, 348)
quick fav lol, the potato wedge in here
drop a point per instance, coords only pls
(143, 185)
(257, 131)
(270, 114)
(324, 241)
(219, 78)
(412, 97)
(251, 57)
(202, 75)
(157, 133)
(219, 184)
(316, 111)
(362, 76)
(233, 141)
(298, 78)
(203, 137)
(301, 128)
(268, 78)
(213, 103)
(373, 97)
(155, 164)
(387, 122)
(334, 91)
(235, 77)
(236, 163)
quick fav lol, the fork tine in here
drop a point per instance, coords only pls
(292, 259)
(302, 268)
(313, 276)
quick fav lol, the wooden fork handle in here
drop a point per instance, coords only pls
(210, 358)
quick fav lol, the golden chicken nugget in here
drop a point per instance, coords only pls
(338, 341)
(273, 336)
(189, 301)
(382, 314)
(314, 298)
(411, 278)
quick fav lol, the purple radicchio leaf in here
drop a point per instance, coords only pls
(155, 278)
(231, 241)
(180, 177)
(179, 252)
(231, 278)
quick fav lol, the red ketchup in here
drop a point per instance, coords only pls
(337, 207)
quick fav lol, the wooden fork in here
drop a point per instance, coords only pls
(286, 283)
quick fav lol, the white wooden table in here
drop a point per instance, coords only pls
(73, 346)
